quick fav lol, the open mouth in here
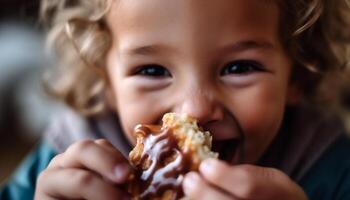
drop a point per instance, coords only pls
(226, 148)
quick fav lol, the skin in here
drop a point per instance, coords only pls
(191, 53)
(221, 62)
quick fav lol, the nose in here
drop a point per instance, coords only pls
(202, 106)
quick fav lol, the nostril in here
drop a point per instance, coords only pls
(201, 106)
(207, 124)
(208, 118)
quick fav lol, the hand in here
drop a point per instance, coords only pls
(87, 170)
(219, 181)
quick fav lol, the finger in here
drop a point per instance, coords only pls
(75, 184)
(55, 162)
(238, 180)
(87, 154)
(248, 181)
(110, 147)
(107, 145)
(196, 187)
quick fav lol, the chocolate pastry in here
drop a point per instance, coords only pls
(164, 154)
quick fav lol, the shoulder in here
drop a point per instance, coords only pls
(329, 178)
(22, 183)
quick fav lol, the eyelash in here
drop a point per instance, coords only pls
(152, 70)
(241, 67)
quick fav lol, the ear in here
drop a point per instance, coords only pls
(294, 94)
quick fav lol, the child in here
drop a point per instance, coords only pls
(262, 75)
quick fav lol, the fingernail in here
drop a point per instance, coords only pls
(121, 172)
(208, 165)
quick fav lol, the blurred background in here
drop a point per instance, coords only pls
(24, 107)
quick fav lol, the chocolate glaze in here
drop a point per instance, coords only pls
(168, 164)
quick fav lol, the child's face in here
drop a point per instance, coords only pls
(219, 61)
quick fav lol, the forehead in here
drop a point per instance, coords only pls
(193, 20)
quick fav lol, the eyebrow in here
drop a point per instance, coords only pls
(235, 47)
(248, 45)
(148, 50)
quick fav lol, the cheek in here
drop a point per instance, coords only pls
(259, 112)
(131, 108)
(134, 106)
(263, 111)
(122, 103)
(128, 103)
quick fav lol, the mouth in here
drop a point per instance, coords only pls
(227, 149)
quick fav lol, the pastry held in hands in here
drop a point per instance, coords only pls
(164, 154)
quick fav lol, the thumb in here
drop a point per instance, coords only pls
(251, 182)
(275, 184)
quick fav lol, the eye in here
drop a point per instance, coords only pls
(152, 70)
(241, 67)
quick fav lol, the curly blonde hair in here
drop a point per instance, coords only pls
(316, 34)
